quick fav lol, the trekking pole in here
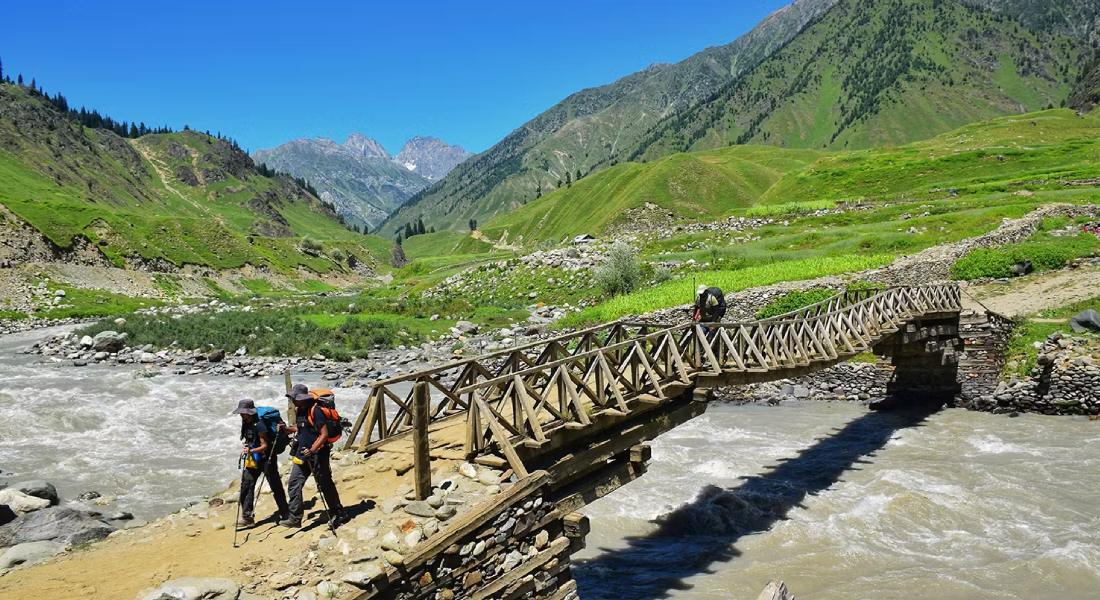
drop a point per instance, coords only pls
(263, 473)
(237, 518)
(331, 517)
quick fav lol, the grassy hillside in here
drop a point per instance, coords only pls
(1035, 150)
(583, 132)
(165, 199)
(700, 186)
(883, 72)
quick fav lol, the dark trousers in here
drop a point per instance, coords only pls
(249, 479)
(318, 466)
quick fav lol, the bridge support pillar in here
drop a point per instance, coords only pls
(925, 355)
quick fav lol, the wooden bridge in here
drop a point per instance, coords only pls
(565, 403)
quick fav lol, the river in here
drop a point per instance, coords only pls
(836, 501)
(842, 503)
(154, 443)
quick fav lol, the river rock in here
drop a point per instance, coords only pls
(468, 470)
(775, 590)
(194, 588)
(56, 523)
(86, 341)
(28, 553)
(109, 341)
(22, 503)
(420, 509)
(215, 356)
(39, 489)
(328, 589)
(362, 578)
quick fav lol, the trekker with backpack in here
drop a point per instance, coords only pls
(318, 426)
(263, 441)
(710, 307)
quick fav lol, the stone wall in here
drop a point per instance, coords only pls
(516, 547)
(1065, 381)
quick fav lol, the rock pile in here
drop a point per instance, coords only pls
(853, 382)
(1065, 381)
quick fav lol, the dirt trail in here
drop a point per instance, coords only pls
(188, 544)
(1029, 295)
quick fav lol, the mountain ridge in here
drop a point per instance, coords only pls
(359, 176)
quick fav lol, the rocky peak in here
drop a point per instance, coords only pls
(365, 146)
(430, 157)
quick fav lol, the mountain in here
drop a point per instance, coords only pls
(671, 108)
(1086, 95)
(584, 131)
(872, 73)
(1006, 153)
(359, 177)
(430, 157)
(163, 201)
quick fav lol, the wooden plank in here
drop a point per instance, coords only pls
(555, 548)
(613, 383)
(653, 378)
(422, 461)
(502, 438)
(529, 409)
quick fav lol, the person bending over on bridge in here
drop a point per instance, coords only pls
(259, 458)
(311, 457)
(710, 307)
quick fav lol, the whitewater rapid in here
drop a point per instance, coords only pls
(858, 505)
(154, 443)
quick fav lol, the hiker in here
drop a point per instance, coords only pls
(259, 455)
(710, 307)
(310, 455)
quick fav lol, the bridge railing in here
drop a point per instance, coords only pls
(515, 402)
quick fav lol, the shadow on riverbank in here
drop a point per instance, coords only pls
(697, 535)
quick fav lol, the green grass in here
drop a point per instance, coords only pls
(1021, 350)
(13, 315)
(678, 292)
(792, 301)
(87, 303)
(694, 187)
(1045, 253)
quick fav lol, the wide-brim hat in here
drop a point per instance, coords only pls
(245, 407)
(299, 388)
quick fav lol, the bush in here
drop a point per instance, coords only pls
(1044, 254)
(338, 255)
(795, 300)
(311, 244)
(621, 273)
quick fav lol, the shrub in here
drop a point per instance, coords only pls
(311, 244)
(1044, 254)
(795, 300)
(621, 273)
(338, 255)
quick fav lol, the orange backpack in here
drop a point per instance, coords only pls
(326, 401)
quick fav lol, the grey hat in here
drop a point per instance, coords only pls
(303, 397)
(298, 389)
(245, 407)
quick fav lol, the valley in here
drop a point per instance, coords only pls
(891, 185)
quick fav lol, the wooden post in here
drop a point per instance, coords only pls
(291, 414)
(422, 462)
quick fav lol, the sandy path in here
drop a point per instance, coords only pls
(1034, 293)
(189, 544)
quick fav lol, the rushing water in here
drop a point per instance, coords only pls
(155, 443)
(838, 502)
(842, 503)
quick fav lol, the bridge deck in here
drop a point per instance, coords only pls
(511, 407)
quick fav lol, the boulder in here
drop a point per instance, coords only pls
(58, 524)
(108, 341)
(194, 588)
(215, 355)
(466, 327)
(22, 503)
(86, 341)
(28, 553)
(39, 489)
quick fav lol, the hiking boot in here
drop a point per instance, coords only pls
(246, 521)
(292, 523)
(340, 518)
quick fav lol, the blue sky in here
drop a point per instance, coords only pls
(263, 73)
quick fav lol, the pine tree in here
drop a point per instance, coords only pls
(568, 179)
(19, 80)
(420, 226)
(1, 70)
(408, 231)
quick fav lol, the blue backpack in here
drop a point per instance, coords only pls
(270, 419)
